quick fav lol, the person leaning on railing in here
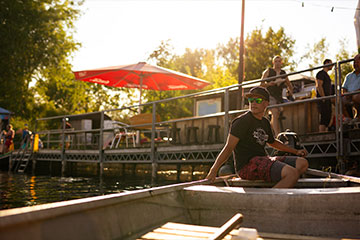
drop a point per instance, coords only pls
(275, 87)
(351, 84)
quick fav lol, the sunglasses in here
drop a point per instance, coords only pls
(257, 100)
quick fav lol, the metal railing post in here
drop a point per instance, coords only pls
(341, 129)
(226, 113)
(63, 160)
(101, 143)
(32, 149)
(48, 140)
(154, 164)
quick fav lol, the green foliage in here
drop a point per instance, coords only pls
(218, 66)
(36, 45)
(35, 35)
(260, 48)
(57, 87)
(316, 53)
(201, 63)
(189, 63)
(343, 54)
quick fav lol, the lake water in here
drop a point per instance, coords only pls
(20, 190)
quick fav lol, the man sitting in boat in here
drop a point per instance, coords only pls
(248, 135)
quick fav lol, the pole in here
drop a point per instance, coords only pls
(154, 164)
(63, 160)
(141, 84)
(241, 68)
(342, 157)
(34, 158)
(101, 143)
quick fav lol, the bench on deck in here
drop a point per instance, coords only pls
(172, 230)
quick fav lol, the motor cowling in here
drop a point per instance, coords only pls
(290, 139)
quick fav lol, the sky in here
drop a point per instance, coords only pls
(119, 32)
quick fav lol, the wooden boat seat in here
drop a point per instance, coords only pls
(172, 230)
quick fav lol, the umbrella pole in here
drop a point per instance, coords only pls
(141, 83)
(138, 136)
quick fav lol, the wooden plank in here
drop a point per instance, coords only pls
(302, 183)
(172, 230)
(186, 233)
(227, 227)
(280, 236)
(189, 227)
(319, 173)
(162, 236)
(288, 113)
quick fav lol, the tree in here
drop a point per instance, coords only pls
(260, 48)
(35, 36)
(343, 54)
(317, 53)
(188, 63)
(218, 75)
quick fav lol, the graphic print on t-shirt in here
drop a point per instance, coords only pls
(260, 135)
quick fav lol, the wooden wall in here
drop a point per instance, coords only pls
(301, 118)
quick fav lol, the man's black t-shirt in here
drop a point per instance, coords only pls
(253, 134)
(322, 75)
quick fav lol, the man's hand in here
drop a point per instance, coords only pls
(301, 152)
(211, 176)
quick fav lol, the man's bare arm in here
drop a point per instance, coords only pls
(282, 147)
(266, 75)
(319, 87)
(289, 85)
(223, 156)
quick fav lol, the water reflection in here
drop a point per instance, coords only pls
(17, 190)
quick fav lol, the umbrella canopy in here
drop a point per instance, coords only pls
(4, 111)
(142, 76)
(4, 114)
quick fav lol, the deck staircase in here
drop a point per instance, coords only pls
(20, 158)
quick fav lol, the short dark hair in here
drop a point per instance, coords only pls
(327, 61)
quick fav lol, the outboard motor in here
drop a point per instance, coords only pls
(288, 138)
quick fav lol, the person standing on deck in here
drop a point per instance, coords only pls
(351, 84)
(25, 135)
(9, 138)
(247, 138)
(275, 87)
(323, 88)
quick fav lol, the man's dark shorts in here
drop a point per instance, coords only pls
(324, 108)
(266, 168)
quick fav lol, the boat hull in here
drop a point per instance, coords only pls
(326, 212)
(330, 212)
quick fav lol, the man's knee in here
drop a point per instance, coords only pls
(289, 172)
(302, 164)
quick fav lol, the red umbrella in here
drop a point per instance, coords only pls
(142, 76)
